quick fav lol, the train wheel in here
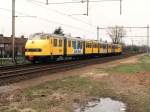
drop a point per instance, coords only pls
(33, 61)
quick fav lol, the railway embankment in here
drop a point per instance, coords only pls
(125, 80)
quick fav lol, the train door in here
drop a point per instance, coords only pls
(65, 47)
(107, 48)
(98, 45)
(92, 46)
(51, 45)
(74, 45)
(84, 47)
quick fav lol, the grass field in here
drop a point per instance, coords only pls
(59, 95)
(143, 65)
(8, 61)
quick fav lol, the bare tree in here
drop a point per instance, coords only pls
(116, 34)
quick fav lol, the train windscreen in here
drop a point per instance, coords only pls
(38, 37)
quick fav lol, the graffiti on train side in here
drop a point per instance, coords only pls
(78, 51)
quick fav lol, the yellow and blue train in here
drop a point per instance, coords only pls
(41, 46)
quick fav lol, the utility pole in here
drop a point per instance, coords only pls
(13, 31)
(148, 39)
(87, 7)
(98, 33)
(46, 2)
(120, 7)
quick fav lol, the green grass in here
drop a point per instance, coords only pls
(142, 66)
(127, 68)
(69, 85)
(145, 59)
(8, 61)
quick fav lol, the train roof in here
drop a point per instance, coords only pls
(66, 36)
(73, 38)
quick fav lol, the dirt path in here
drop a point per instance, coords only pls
(89, 70)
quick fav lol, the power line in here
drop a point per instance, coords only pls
(63, 14)
(75, 2)
(74, 27)
(50, 21)
(82, 1)
(9, 10)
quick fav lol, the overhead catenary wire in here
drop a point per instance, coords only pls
(67, 16)
(51, 21)
(64, 14)
(74, 27)
(9, 10)
(74, 2)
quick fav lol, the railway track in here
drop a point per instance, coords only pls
(20, 66)
(15, 74)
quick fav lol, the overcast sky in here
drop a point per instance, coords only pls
(48, 17)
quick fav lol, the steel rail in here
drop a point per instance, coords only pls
(25, 73)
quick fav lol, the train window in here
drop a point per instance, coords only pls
(116, 46)
(90, 45)
(81, 43)
(60, 43)
(87, 45)
(69, 43)
(95, 45)
(38, 36)
(113, 47)
(103, 46)
(55, 42)
(51, 41)
(74, 44)
(78, 45)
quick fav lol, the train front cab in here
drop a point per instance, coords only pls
(37, 46)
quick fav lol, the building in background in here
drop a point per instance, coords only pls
(6, 46)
